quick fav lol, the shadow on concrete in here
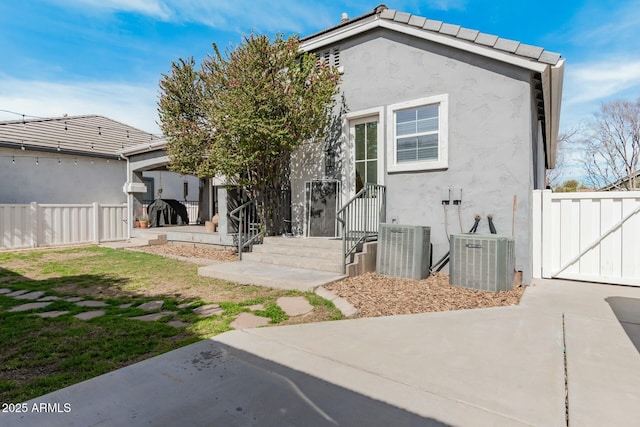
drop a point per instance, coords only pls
(627, 310)
(209, 383)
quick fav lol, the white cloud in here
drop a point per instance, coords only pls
(594, 81)
(130, 104)
(155, 8)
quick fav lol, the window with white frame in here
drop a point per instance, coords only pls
(418, 134)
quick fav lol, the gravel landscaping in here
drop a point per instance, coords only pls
(375, 295)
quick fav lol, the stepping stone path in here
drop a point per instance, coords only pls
(29, 306)
(91, 303)
(249, 320)
(208, 310)
(154, 316)
(294, 306)
(51, 313)
(88, 315)
(30, 295)
(151, 305)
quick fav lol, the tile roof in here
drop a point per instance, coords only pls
(89, 135)
(455, 31)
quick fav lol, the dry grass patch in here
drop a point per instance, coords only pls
(191, 251)
(375, 295)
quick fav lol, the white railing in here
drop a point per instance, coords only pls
(587, 236)
(35, 225)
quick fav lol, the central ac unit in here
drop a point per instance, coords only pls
(403, 251)
(484, 262)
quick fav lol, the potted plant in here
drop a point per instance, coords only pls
(144, 221)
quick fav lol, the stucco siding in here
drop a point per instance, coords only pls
(74, 179)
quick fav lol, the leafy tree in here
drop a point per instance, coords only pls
(242, 114)
(612, 146)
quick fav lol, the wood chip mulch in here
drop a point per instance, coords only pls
(191, 251)
(375, 295)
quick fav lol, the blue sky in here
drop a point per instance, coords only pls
(106, 56)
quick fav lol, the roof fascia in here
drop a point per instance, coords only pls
(376, 22)
(143, 148)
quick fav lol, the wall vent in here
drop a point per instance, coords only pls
(330, 56)
(483, 262)
(403, 251)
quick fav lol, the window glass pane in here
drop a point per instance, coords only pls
(405, 128)
(427, 125)
(404, 116)
(372, 171)
(428, 147)
(407, 143)
(372, 140)
(427, 112)
(360, 175)
(360, 141)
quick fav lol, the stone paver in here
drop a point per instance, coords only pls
(249, 320)
(208, 310)
(49, 298)
(17, 293)
(29, 306)
(294, 306)
(73, 299)
(88, 315)
(151, 305)
(186, 304)
(154, 316)
(5, 291)
(31, 295)
(51, 313)
(91, 303)
(256, 307)
(125, 305)
(178, 323)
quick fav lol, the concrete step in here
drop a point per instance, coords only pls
(293, 261)
(299, 251)
(150, 239)
(310, 242)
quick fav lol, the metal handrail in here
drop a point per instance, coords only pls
(249, 230)
(360, 217)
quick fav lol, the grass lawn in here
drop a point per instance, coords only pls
(41, 355)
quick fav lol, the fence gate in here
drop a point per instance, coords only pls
(587, 236)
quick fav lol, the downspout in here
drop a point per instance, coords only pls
(129, 197)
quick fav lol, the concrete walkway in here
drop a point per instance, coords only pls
(500, 367)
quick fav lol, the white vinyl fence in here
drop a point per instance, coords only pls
(587, 236)
(35, 225)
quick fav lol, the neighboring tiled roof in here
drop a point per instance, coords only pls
(455, 31)
(90, 135)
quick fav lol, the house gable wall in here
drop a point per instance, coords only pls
(490, 138)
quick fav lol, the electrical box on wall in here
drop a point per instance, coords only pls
(445, 196)
(455, 195)
(135, 187)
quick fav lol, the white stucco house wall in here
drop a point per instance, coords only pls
(427, 107)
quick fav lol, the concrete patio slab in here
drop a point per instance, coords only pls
(273, 276)
(499, 360)
(603, 373)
